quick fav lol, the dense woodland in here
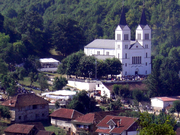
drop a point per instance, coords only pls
(33, 28)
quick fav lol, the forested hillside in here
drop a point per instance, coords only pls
(98, 18)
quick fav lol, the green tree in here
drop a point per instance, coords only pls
(68, 37)
(138, 95)
(116, 89)
(3, 67)
(33, 77)
(101, 68)
(8, 84)
(176, 106)
(4, 112)
(83, 103)
(86, 66)
(147, 127)
(59, 83)
(115, 105)
(114, 66)
(57, 104)
(42, 79)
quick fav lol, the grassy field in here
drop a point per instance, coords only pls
(26, 82)
(49, 127)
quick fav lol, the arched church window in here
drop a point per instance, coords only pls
(125, 55)
(146, 36)
(118, 36)
(139, 37)
(126, 37)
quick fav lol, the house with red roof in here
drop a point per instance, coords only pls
(87, 123)
(117, 125)
(63, 117)
(159, 103)
(26, 129)
(27, 107)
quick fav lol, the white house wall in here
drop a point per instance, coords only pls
(104, 90)
(132, 133)
(94, 51)
(157, 103)
(82, 85)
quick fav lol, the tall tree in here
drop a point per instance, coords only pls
(68, 37)
(114, 66)
(82, 103)
(59, 83)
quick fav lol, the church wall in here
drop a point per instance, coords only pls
(98, 51)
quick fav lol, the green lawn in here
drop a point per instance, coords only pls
(49, 127)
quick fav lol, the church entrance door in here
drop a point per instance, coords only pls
(136, 71)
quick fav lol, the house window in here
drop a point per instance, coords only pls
(42, 114)
(146, 63)
(34, 106)
(125, 64)
(118, 55)
(98, 85)
(98, 52)
(146, 55)
(107, 53)
(146, 72)
(19, 117)
(136, 60)
(118, 46)
(125, 55)
(118, 36)
(139, 36)
(146, 36)
(126, 46)
(146, 46)
(126, 37)
(136, 46)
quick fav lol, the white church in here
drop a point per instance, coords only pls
(135, 56)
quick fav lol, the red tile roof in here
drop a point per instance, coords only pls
(96, 117)
(66, 113)
(43, 132)
(19, 128)
(125, 124)
(23, 100)
(38, 125)
(105, 131)
(88, 118)
(166, 99)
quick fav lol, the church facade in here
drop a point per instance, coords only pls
(135, 56)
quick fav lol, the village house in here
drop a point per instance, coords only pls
(87, 123)
(63, 117)
(159, 103)
(27, 107)
(48, 64)
(26, 129)
(117, 125)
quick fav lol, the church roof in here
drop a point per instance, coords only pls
(122, 22)
(102, 43)
(143, 21)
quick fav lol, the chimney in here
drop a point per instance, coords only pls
(119, 123)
